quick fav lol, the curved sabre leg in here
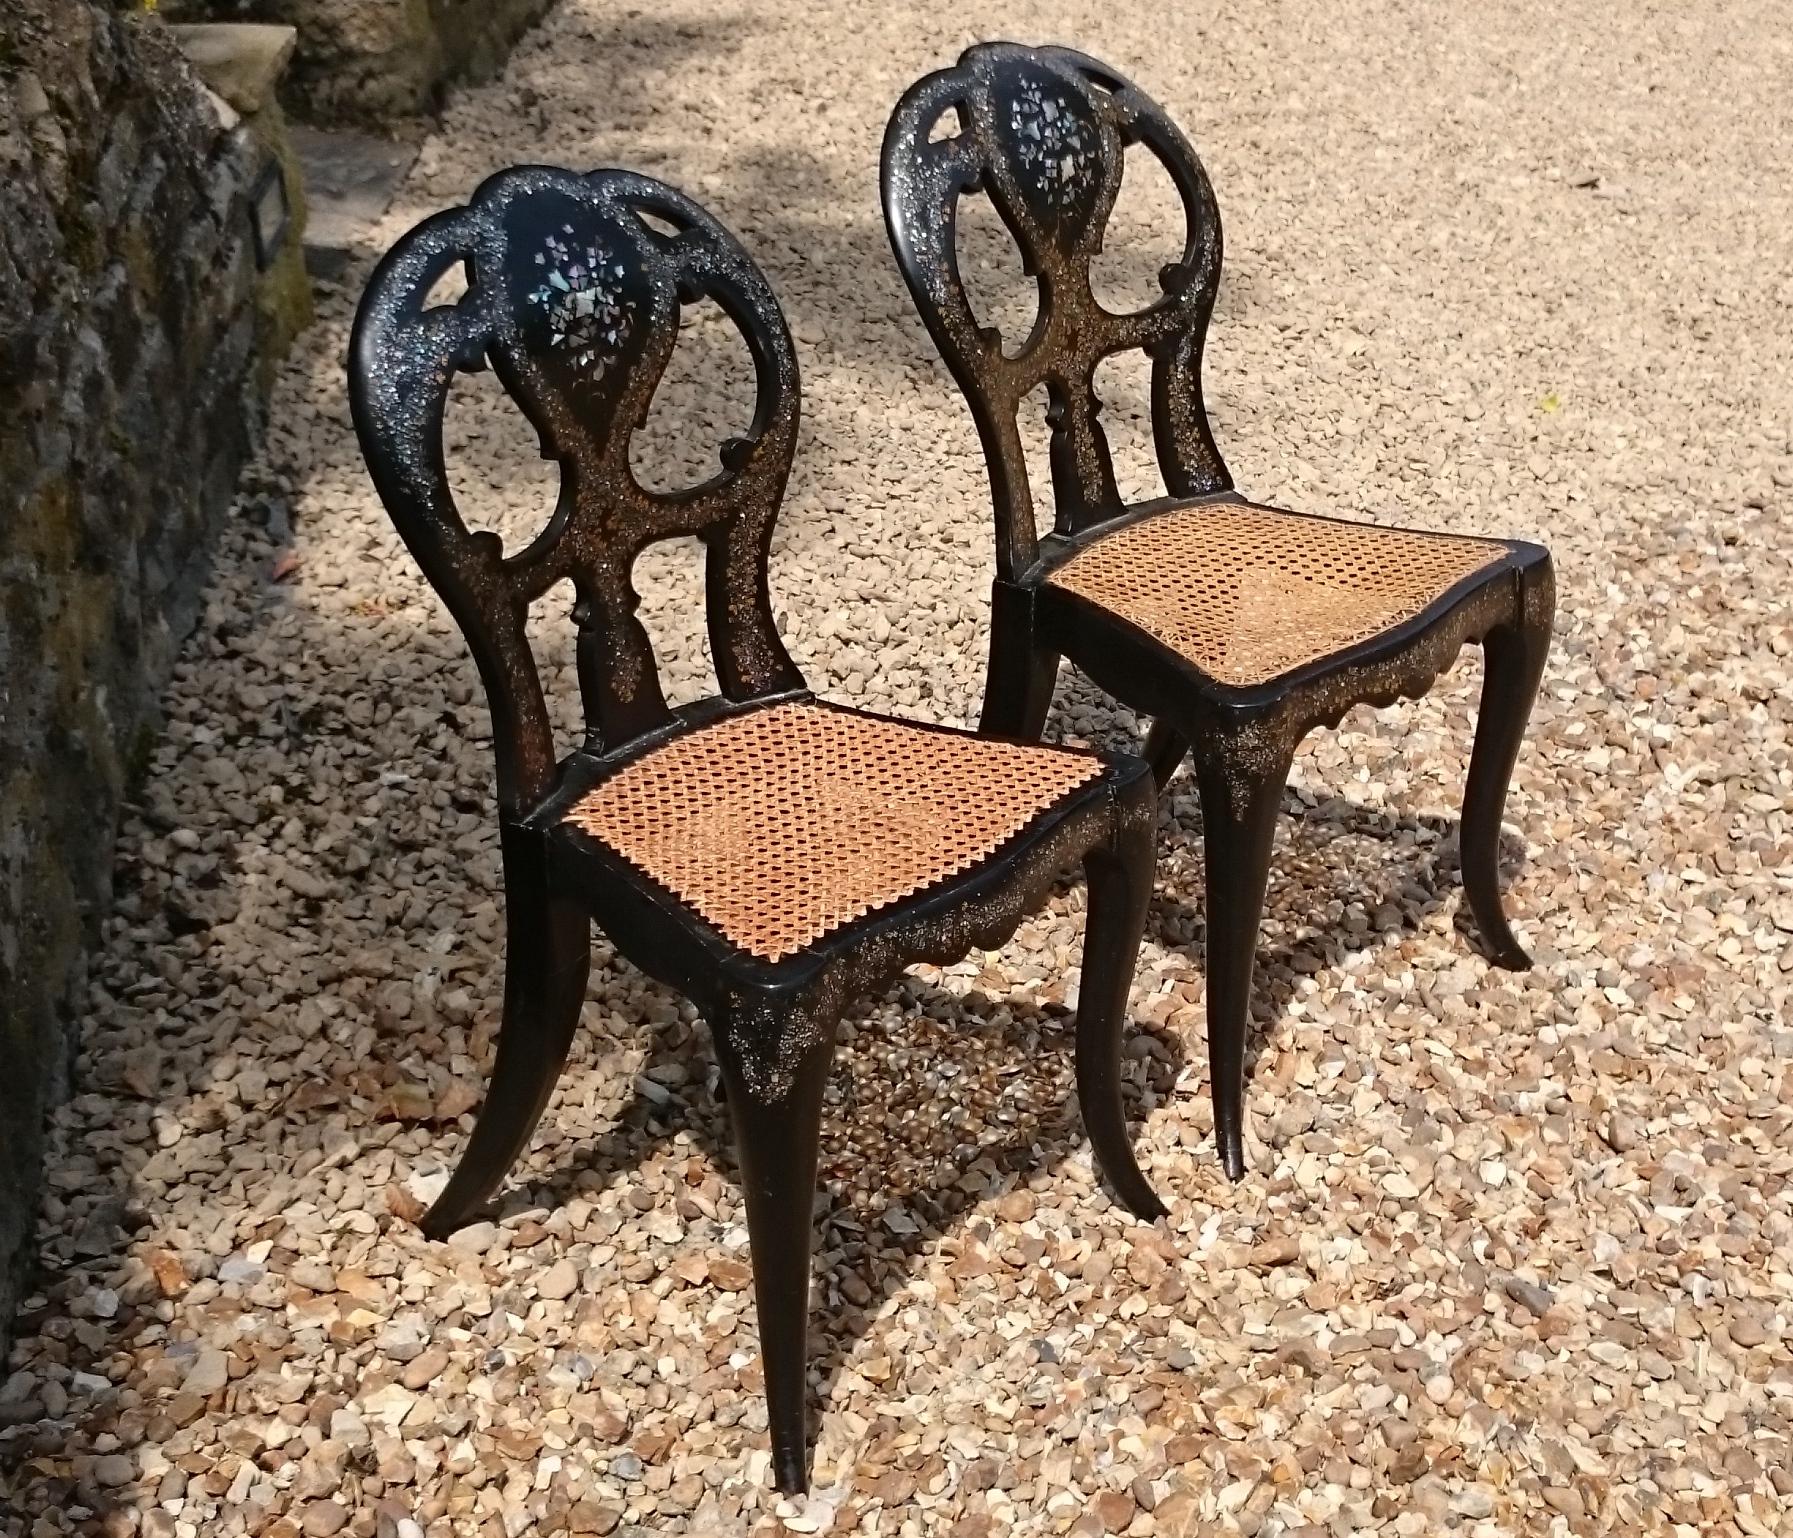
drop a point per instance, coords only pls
(1239, 810)
(1513, 667)
(547, 954)
(1120, 890)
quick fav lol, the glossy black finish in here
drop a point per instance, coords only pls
(1043, 132)
(584, 370)
(585, 382)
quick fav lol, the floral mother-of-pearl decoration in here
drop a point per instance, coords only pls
(582, 299)
(1053, 144)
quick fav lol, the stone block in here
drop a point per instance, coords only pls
(377, 62)
(241, 61)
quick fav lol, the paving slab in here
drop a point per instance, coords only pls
(350, 181)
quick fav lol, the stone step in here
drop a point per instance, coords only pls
(350, 179)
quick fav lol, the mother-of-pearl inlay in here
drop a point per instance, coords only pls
(1054, 145)
(580, 295)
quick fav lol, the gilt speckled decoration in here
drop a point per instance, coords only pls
(1043, 132)
(576, 283)
(770, 857)
(1237, 628)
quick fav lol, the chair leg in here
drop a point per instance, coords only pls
(1120, 889)
(1018, 687)
(1513, 667)
(777, 1145)
(1165, 749)
(1239, 807)
(547, 956)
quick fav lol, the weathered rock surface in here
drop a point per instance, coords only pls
(376, 61)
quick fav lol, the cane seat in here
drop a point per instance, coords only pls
(1250, 593)
(782, 824)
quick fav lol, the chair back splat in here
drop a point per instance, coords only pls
(1043, 132)
(574, 289)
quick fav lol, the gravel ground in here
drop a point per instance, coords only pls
(1517, 1250)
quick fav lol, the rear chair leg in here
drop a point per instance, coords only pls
(547, 956)
(1018, 688)
(777, 1143)
(1165, 749)
(1120, 889)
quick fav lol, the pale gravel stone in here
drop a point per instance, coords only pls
(240, 1270)
(1516, 1248)
(209, 1373)
(313, 1274)
(422, 1370)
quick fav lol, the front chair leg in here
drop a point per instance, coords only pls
(1512, 668)
(1239, 806)
(1120, 890)
(1018, 687)
(547, 954)
(777, 1143)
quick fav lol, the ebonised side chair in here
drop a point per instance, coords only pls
(1238, 628)
(771, 856)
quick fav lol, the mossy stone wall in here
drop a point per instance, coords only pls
(134, 334)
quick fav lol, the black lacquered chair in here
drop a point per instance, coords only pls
(1238, 628)
(771, 856)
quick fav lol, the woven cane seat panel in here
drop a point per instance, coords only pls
(783, 824)
(1249, 593)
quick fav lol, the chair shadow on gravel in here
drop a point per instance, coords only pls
(1370, 874)
(1384, 872)
(945, 1105)
(940, 1101)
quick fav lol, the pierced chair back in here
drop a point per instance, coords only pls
(574, 290)
(1043, 133)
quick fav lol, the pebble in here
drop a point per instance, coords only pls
(559, 1282)
(348, 1428)
(423, 1369)
(1746, 1330)
(1538, 1299)
(1474, 1501)
(474, 1239)
(113, 1470)
(313, 1274)
(731, 1275)
(209, 1373)
(324, 1519)
(1114, 1510)
(239, 1271)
